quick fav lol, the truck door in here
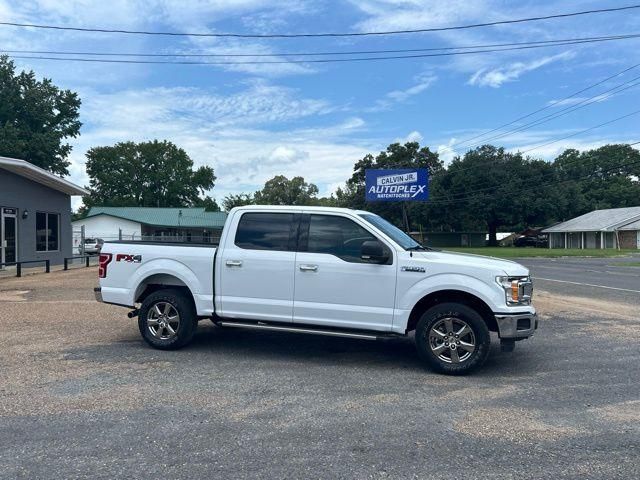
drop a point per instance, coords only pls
(334, 285)
(257, 265)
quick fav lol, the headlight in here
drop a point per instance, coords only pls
(518, 290)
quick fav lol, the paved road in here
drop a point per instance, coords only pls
(602, 278)
(82, 397)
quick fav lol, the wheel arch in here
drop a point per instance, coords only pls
(457, 296)
(161, 281)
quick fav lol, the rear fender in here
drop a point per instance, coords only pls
(167, 268)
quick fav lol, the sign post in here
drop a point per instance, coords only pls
(399, 185)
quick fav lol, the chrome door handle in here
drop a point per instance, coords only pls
(309, 268)
(234, 263)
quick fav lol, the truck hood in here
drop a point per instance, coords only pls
(497, 265)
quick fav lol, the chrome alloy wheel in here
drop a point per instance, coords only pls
(163, 320)
(451, 340)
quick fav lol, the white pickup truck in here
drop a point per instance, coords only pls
(326, 271)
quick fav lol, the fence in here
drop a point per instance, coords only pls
(47, 263)
(18, 265)
(179, 238)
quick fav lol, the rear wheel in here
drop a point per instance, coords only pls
(452, 338)
(167, 319)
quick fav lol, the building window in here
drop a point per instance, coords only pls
(47, 232)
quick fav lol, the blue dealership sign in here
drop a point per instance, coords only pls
(402, 185)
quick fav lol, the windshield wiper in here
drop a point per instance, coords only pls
(417, 247)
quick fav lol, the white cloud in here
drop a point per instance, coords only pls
(248, 137)
(414, 14)
(159, 15)
(497, 76)
(421, 83)
(413, 136)
(575, 100)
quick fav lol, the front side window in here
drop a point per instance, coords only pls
(337, 236)
(265, 231)
(47, 232)
(393, 232)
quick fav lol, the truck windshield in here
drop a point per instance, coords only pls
(391, 231)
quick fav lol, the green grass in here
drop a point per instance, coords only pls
(626, 264)
(512, 252)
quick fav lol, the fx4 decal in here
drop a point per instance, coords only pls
(125, 257)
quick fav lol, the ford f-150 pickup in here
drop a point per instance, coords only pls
(326, 271)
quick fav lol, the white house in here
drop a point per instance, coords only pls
(146, 223)
(609, 228)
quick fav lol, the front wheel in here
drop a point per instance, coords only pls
(452, 338)
(167, 319)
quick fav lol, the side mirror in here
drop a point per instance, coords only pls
(374, 251)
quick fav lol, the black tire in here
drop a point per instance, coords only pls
(444, 361)
(187, 320)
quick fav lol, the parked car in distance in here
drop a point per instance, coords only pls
(92, 246)
(323, 271)
(541, 241)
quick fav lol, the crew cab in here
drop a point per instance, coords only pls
(326, 271)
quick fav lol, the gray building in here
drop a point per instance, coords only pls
(35, 213)
(610, 228)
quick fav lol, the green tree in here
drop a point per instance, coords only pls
(209, 204)
(489, 188)
(239, 200)
(282, 191)
(36, 118)
(409, 155)
(147, 174)
(605, 177)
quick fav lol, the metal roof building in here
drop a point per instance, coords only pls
(149, 223)
(164, 217)
(609, 228)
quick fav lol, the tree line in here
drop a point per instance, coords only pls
(485, 189)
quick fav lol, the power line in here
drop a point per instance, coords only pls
(565, 111)
(550, 105)
(323, 60)
(352, 52)
(485, 164)
(331, 34)
(581, 131)
(474, 193)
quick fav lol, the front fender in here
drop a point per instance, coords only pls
(493, 297)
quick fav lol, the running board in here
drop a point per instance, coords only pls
(311, 331)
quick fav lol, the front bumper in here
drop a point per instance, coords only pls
(516, 325)
(97, 291)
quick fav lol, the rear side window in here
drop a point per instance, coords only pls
(266, 231)
(337, 236)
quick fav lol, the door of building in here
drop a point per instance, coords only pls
(9, 235)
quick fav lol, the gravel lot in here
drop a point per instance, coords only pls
(81, 396)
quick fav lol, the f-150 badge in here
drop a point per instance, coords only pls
(410, 268)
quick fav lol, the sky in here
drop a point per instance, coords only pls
(251, 122)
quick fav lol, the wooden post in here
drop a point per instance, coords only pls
(405, 218)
